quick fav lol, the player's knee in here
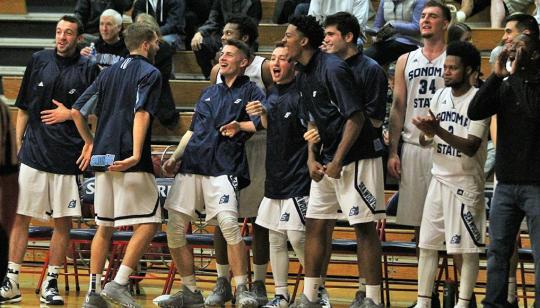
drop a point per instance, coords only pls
(176, 233)
(228, 223)
(278, 241)
(297, 239)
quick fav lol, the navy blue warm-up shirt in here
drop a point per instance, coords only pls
(119, 91)
(53, 148)
(210, 153)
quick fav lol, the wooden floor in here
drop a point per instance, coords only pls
(150, 289)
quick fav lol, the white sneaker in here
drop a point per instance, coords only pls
(50, 294)
(279, 301)
(9, 292)
(325, 298)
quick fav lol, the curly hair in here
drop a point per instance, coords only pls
(310, 28)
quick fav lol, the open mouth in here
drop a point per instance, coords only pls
(276, 72)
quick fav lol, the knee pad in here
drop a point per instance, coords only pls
(176, 233)
(228, 223)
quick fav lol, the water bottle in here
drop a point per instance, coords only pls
(92, 55)
(450, 288)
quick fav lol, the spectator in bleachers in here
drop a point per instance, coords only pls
(286, 8)
(397, 30)
(9, 187)
(468, 8)
(48, 147)
(500, 9)
(459, 32)
(511, 93)
(170, 16)
(207, 41)
(163, 61)
(110, 46)
(322, 8)
(89, 12)
(196, 14)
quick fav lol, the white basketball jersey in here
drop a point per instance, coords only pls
(422, 79)
(253, 71)
(449, 164)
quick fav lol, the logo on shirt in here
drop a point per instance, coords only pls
(40, 84)
(72, 204)
(285, 217)
(456, 239)
(72, 91)
(207, 100)
(314, 93)
(238, 101)
(224, 199)
(354, 211)
(287, 115)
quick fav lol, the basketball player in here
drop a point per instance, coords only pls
(341, 34)
(418, 75)
(125, 97)
(48, 146)
(241, 27)
(347, 173)
(454, 212)
(284, 206)
(213, 168)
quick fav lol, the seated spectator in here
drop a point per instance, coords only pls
(397, 30)
(286, 8)
(89, 12)
(459, 32)
(468, 8)
(166, 114)
(169, 15)
(109, 47)
(322, 8)
(207, 41)
(500, 9)
(196, 14)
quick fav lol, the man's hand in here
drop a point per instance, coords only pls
(500, 64)
(394, 166)
(196, 42)
(316, 170)
(57, 115)
(170, 167)
(428, 125)
(312, 136)
(333, 169)
(230, 130)
(84, 160)
(123, 165)
(255, 109)
(86, 51)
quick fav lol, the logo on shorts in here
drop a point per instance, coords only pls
(224, 199)
(354, 211)
(285, 217)
(72, 204)
(456, 239)
(287, 114)
(234, 182)
(460, 192)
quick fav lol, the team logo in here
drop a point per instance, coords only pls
(72, 204)
(207, 100)
(314, 93)
(456, 239)
(224, 199)
(285, 217)
(234, 181)
(354, 211)
(40, 84)
(72, 91)
(460, 192)
(238, 101)
(288, 114)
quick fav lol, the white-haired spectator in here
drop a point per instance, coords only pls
(89, 13)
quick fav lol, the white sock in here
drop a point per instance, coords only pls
(311, 288)
(122, 276)
(511, 290)
(361, 284)
(427, 270)
(190, 282)
(223, 270)
(13, 271)
(423, 302)
(469, 273)
(95, 283)
(240, 280)
(259, 271)
(283, 291)
(52, 272)
(374, 292)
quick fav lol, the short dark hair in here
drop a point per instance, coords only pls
(469, 55)
(310, 28)
(525, 22)
(240, 45)
(74, 20)
(346, 23)
(246, 26)
(445, 10)
(456, 31)
(137, 33)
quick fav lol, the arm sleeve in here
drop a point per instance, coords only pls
(24, 96)
(487, 100)
(175, 18)
(88, 101)
(379, 18)
(148, 92)
(342, 89)
(256, 95)
(376, 97)
(411, 27)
